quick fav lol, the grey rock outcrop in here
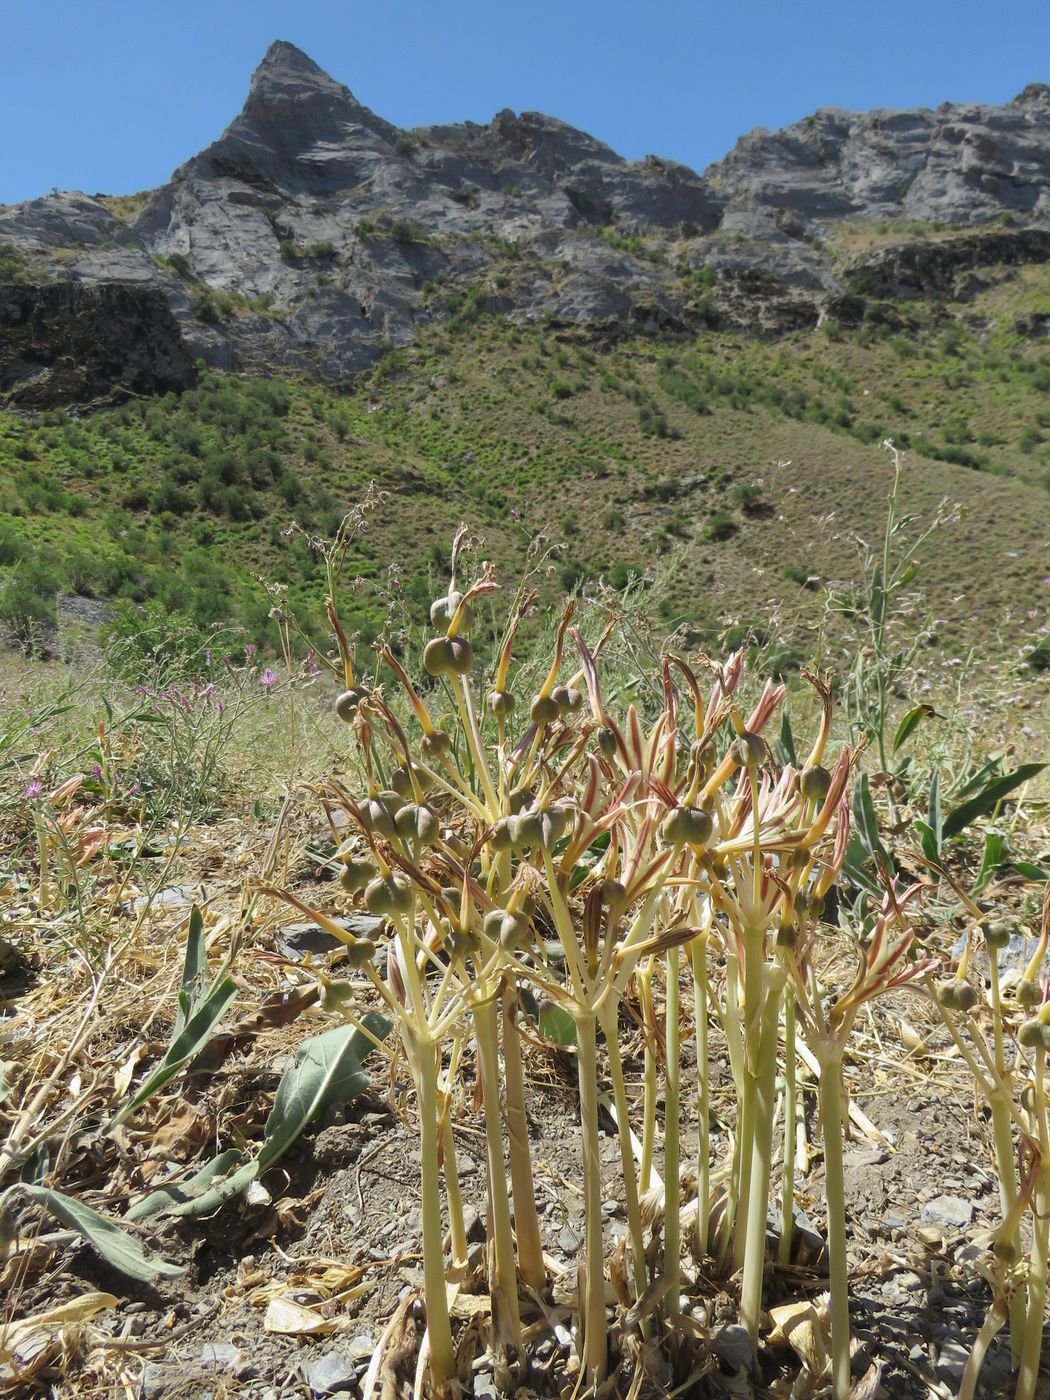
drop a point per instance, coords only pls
(65, 343)
(313, 234)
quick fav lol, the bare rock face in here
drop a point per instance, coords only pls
(65, 343)
(313, 234)
(962, 163)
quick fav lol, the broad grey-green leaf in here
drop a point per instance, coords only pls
(327, 1070)
(194, 970)
(194, 1035)
(177, 1194)
(908, 725)
(989, 797)
(115, 1245)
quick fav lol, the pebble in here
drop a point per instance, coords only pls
(334, 1373)
(569, 1240)
(229, 1357)
(299, 941)
(948, 1210)
(952, 1360)
(732, 1346)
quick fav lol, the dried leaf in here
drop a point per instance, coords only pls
(803, 1327)
(29, 1333)
(295, 1319)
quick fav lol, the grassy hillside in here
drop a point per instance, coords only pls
(733, 474)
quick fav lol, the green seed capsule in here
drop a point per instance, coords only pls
(361, 953)
(417, 824)
(510, 930)
(520, 798)
(749, 751)
(1005, 1251)
(544, 709)
(613, 893)
(1027, 1097)
(687, 826)
(1027, 992)
(448, 656)
(816, 906)
(1030, 1033)
(501, 703)
(503, 834)
(346, 705)
(335, 995)
(814, 783)
(965, 996)
(799, 858)
(787, 936)
(568, 699)
(945, 994)
(996, 936)
(442, 611)
(390, 896)
(436, 744)
(379, 813)
(355, 875)
(401, 781)
(607, 741)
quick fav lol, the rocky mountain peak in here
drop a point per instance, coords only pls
(313, 233)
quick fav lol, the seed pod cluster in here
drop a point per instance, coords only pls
(509, 928)
(417, 823)
(544, 709)
(501, 703)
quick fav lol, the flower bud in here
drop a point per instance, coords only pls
(814, 783)
(500, 703)
(346, 705)
(544, 709)
(392, 895)
(448, 656)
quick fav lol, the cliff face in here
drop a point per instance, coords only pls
(313, 233)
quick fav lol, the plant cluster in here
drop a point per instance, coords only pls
(554, 849)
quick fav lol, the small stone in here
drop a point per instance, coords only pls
(334, 1373)
(569, 1240)
(732, 1346)
(952, 1360)
(910, 1282)
(952, 1211)
(298, 941)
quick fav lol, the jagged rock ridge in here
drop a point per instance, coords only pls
(313, 233)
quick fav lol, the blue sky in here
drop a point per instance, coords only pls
(110, 96)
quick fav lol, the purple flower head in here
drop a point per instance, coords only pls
(268, 677)
(249, 650)
(35, 788)
(96, 770)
